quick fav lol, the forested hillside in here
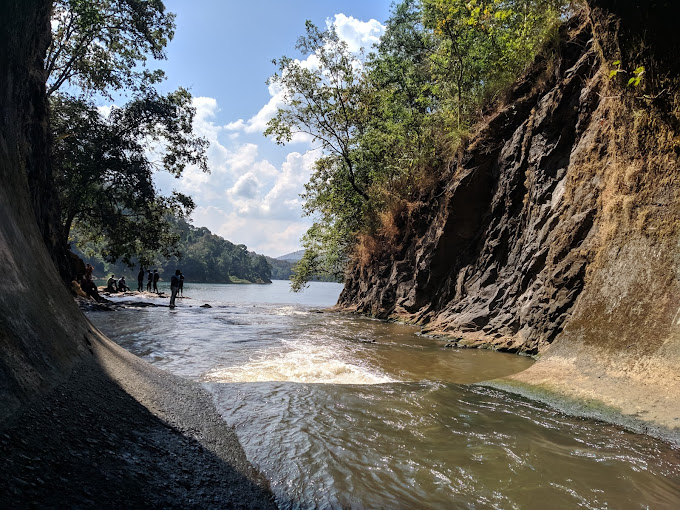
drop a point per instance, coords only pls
(201, 256)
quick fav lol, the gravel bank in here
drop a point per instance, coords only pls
(121, 433)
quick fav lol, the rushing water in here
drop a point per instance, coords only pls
(340, 411)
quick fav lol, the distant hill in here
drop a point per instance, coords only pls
(292, 257)
(281, 269)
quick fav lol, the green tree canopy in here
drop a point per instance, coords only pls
(388, 123)
(104, 174)
(101, 46)
(104, 165)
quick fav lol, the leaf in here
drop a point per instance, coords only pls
(616, 63)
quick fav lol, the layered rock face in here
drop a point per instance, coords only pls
(42, 332)
(556, 232)
(503, 255)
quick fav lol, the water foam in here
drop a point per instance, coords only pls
(299, 362)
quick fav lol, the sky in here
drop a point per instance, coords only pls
(222, 52)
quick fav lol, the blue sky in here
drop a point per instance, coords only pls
(222, 52)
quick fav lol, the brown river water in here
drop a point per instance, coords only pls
(340, 411)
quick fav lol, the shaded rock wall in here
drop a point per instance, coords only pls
(557, 231)
(501, 256)
(42, 332)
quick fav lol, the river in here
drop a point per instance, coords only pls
(341, 411)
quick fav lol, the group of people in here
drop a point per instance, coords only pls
(112, 285)
(152, 280)
(116, 286)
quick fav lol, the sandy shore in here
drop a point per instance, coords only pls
(641, 394)
(121, 433)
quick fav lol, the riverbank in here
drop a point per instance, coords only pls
(641, 395)
(121, 433)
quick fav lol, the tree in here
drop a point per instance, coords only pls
(323, 101)
(325, 98)
(100, 46)
(104, 166)
(387, 124)
(104, 174)
(484, 45)
(399, 138)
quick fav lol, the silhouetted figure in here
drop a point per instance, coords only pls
(174, 287)
(88, 272)
(181, 284)
(122, 285)
(149, 281)
(140, 279)
(89, 288)
(156, 277)
(111, 285)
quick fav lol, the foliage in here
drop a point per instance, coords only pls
(201, 256)
(102, 46)
(323, 101)
(385, 123)
(483, 45)
(281, 269)
(636, 75)
(103, 172)
(104, 165)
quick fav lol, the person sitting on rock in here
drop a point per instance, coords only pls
(90, 289)
(111, 285)
(122, 285)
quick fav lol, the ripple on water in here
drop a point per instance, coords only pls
(371, 432)
(426, 445)
(298, 361)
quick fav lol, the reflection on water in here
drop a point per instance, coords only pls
(345, 412)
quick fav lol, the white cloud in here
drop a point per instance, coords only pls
(247, 186)
(246, 198)
(357, 34)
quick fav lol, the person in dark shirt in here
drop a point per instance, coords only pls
(90, 289)
(174, 287)
(156, 277)
(88, 272)
(181, 284)
(149, 281)
(140, 279)
(111, 285)
(122, 285)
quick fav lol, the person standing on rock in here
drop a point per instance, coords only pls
(156, 277)
(181, 284)
(140, 279)
(149, 281)
(174, 287)
(88, 272)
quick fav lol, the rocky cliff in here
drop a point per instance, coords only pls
(83, 422)
(557, 229)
